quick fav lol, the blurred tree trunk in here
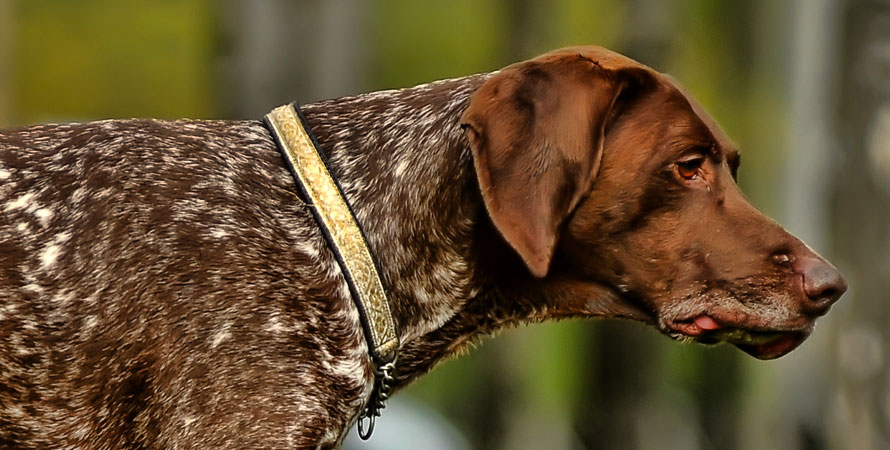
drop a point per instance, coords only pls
(268, 56)
(628, 364)
(6, 62)
(859, 416)
(281, 51)
(507, 407)
(339, 64)
(521, 34)
(797, 401)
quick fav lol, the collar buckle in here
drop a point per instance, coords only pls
(383, 381)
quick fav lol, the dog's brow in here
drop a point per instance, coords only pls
(733, 159)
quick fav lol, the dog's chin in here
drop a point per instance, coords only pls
(760, 342)
(775, 347)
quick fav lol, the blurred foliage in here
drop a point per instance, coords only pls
(418, 42)
(92, 59)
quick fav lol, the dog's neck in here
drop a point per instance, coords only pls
(406, 168)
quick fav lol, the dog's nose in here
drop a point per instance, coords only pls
(822, 283)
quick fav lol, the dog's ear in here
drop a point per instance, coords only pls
(536, 132)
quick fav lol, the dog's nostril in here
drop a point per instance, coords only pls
(830, 293)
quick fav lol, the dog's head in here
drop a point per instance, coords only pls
(599, 171)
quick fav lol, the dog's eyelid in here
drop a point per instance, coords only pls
(698, 150)
(695, 155)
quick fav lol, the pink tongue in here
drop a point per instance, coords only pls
(706, 323)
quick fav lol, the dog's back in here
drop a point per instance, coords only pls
(146, 267)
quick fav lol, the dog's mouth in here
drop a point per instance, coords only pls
(761, 343)
(759, 337)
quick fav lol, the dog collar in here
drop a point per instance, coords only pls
(343, 235)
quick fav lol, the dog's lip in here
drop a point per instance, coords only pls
(758, 338)
(776, 347)
(695, 327)
(759, 342)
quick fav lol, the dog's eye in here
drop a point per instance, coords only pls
(688, 168)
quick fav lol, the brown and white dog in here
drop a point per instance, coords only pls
(161, 286)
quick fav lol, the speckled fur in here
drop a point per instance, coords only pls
(162, 285)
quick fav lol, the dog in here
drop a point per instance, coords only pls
(163, 285)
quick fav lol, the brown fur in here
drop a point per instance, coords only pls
(161, 285)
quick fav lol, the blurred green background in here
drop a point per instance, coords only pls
(802, 85)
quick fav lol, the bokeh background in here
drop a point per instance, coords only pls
(802, 85)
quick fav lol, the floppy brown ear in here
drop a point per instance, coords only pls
(536, 132)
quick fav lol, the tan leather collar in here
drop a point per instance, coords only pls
(345, 238)
(341, 231)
